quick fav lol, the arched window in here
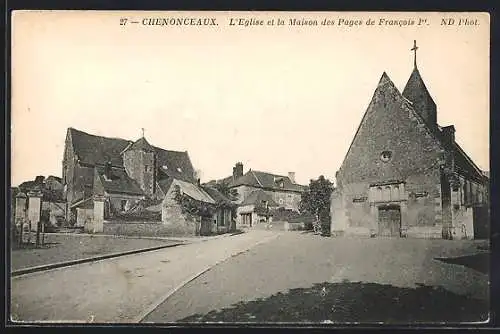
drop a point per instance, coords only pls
(378, 194)
(386, 195)
(395, 194)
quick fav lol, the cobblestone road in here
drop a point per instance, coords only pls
(303, 277)
(120, 289)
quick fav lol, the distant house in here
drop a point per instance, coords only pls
(223, 221)
(255, 208)
(278, 191)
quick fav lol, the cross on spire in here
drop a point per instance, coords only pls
(414, 49)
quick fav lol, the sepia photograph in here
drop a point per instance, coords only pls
(252, 167)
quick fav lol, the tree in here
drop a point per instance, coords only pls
(223, 188)
(316, 198)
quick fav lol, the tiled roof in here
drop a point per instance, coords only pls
(94, 150)
(257, 197)
(266, 180)
(118, 182)
(175, 164)
(465, 165)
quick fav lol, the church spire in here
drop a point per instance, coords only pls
(416, 91)
(414, 49)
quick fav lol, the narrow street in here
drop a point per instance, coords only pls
(121, 289)
(303, 277)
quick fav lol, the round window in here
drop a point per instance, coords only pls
(386, 156)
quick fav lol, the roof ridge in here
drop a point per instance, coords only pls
(98, 136)
(162, 149)
(256, 178)
(273, 174)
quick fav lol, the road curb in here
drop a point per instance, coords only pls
(155, 305)
(56, 265)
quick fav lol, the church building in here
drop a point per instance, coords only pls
(404, 175)
(135, 180)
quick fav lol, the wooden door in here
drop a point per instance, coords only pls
(389, 221)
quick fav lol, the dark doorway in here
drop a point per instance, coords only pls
(389, 221)
(247, 219)
(481, 221)
(205, 226)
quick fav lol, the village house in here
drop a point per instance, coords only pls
(258, 193)
(134, 179)
(404, 175)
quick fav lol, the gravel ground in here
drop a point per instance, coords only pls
(59, 248)
(306, 278)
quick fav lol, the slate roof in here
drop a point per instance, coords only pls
(266, 180)
(118, 182)
(217, 196)
(193, 191)
(98, 150)
(416, 91)
(141, 144)
(257, 197)
(165, 183)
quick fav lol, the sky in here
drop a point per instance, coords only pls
(277, 98)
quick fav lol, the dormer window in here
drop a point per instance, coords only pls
(165, 167)
(179, 169)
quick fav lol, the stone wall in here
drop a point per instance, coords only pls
(286, 199)
(135, 163)
(148, 229)
(84, 217)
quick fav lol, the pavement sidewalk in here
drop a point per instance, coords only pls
(181, 239)
(123, 289)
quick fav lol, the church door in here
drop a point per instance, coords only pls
(389, 221)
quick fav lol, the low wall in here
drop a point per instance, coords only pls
(425, 232)
(294, 226)
(357, 231)
(148, 229)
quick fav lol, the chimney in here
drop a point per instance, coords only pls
(39, 179)
(237, 170)
(291, 176)
(199, 182)
(449, 134)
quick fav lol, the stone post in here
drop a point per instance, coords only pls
(98, 219)
(20, 211)
(19, 216)
(34, 212)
